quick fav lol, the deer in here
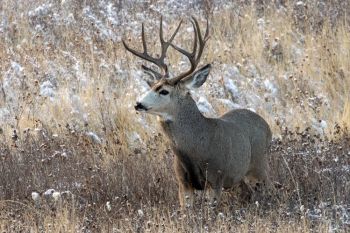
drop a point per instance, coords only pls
(210, 153)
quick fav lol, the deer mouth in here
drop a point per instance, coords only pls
(140, 107)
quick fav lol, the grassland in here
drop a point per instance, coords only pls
(67, 123)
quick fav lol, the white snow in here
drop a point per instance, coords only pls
(4, 114)
(56, 196)
(16, 67)
(47, 89)
(231, 87)
(231, 72)
(270, 87)
(261, 24)
(94, 137)
(204, 106)
(253, 71)
(49, 192)
(43, 9)
(35, 197)
(134, 138)
(140, 213)
(229, 104)
(108, 206)
(319, 126)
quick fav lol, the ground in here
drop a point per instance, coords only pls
(75, 156)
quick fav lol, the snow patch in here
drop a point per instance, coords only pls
(204, 106)
(300, 3)
(4, 114)
(269, 86)
(17, 68)
(47, 89)
(134, 138)
(49, 192)
(93, 136)
(319, 126)
(261, 24)
(231, 87)
(229, 104)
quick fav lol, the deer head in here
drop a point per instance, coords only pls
(166, 92)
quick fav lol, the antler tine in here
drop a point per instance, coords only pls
(202, 40)
(157, 61)
(144, 55)
(144, 44)
(194, 56)
(186, 53)
(165, 44)
(151, 72)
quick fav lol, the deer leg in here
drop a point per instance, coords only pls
(186, 195)
(259, 175)
(186, 191)
(246, 190)
(215, 196)
(258, 180)
(216, 189)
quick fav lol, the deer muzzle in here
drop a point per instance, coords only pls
(140, 107)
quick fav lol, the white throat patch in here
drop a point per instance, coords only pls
(164, 116)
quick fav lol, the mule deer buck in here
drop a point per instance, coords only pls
(210, 152)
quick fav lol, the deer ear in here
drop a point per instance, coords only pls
(198, 78)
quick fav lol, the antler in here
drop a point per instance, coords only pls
(157, 61)
(194, 56)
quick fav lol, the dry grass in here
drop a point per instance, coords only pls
(312, 188)
(345, 116)
(311, 86)
(47, 142)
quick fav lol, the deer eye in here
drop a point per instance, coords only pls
(164, 92)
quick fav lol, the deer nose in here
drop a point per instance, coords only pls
(139, 107)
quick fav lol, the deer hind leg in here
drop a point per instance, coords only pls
(216, 189)
(258, 175)
(246, 189)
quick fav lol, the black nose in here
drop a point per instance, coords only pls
(139, 107)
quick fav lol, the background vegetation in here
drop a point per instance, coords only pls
(75, 157)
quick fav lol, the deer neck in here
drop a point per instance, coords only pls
(186, 125)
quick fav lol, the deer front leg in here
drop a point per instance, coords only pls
(186, 195)
(186, 191)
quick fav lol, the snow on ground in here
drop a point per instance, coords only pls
(231, 85)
